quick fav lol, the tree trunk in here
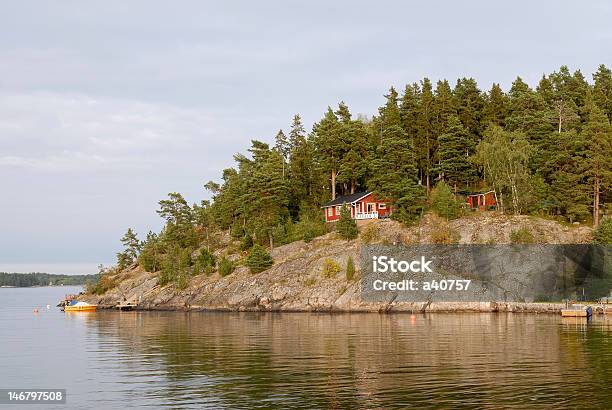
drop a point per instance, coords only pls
(333, 184)
(271, 239)
(352, 186)
(596, 203)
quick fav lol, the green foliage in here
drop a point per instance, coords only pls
(603, 233)
(226, 266)
(346, 226)
(237, 230)
(131, 249)
(350, 269)
(394, 175)
(369, 233)
(246, 243)
(182, 281)
(259, 259)
(330, 268)
(107, 280)
(443, 202)
(207, 261)
(151, 254)
(544, 150)
(197, 269)
(522, 236)
(309, 226)
(504, 157)
(454, 149)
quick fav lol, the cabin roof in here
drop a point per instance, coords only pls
(346, 199)
(480, 193)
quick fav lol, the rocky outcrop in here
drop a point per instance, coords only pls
(296, 281)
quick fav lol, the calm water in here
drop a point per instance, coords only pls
(190, 360)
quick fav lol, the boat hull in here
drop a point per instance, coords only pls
(91, 308)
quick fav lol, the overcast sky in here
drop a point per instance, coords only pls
(106, 106)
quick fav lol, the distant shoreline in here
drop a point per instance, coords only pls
(40, 279)
(40, 286)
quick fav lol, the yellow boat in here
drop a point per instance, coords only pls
(80, 307)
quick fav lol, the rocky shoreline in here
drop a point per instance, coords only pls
(297, 281)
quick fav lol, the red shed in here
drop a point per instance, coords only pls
(363, 205)
(481, 200)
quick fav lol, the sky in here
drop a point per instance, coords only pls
(107, 106)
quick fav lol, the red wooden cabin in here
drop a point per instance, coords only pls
(363, 205)
(481, 200)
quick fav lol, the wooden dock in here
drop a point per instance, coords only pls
(577, 310)
(132, 303)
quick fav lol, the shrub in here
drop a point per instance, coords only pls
(259, 259)
(443, 202)
(105, 282)
(521, 236)
(246, 243)
(443, 234)
(350, 269)
(603, 234)
(236, 230)
(171, 265)
(226, 266)
(207, 261)
(346, 226)
(330, 268)
(369, 233)
(185, 259)
(196, 269)
(182, 282)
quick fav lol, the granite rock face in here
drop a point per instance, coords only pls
(296, 281)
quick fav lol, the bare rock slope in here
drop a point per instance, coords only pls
(296, 281)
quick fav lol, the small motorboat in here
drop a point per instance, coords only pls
(75, 306)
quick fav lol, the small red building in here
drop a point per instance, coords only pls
(481, 200)
(363, 205)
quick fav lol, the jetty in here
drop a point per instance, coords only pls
(133, 302)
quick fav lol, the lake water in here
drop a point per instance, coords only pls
(114, 359)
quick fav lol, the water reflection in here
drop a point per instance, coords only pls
(364, 360)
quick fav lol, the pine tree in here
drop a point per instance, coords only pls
(454, 150)
(565, 169)
(602, 90)
(267, 194)
(530, 116)
(495, 109)
(409, 110)
(443, 107)
(346, 226)
(394, 175)
(390, 113)
(353, 165)
(443, 202)
(470, 105)
(425, 143)
(282, 147)
(297, 134)
(259, 259)
(330, 147)
(598, 133)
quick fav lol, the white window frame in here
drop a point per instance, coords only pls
(382, 206)
(370, 207)
(330, 211)
(338, 209)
